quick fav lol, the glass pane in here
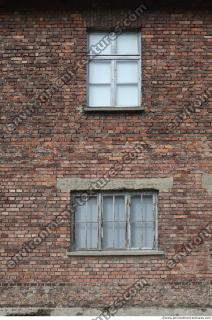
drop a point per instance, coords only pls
(119, 207)
(107, 235)
(92, 235)
(119, 234)
(136, 236)
(148, 212)
(100, 43)
(80, 212)
(135, 209)
(148, 235)
(100, 72)
(92, 214)
(99, 95)
(127, 43)
(127, 72)
(80, 235)
(127, 95)
(108, 208)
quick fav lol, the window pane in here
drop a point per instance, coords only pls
(148, 235)
(135, 209)
(80, 235)
(80, 212)
(119, 233)
(119, 207)
(127, 95)
(100, 72)
(92, 214)
(108, 208)
(136, 236)
(127, 43)
(148, 209)
(107, 235)
(135, 225)
(92, 235)
(108, 226)
(127, 72)
(100, 42)
(99, 95)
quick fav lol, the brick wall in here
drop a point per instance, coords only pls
(61, 140)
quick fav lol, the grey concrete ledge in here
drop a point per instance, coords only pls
(116, 253)
(80, 184)
(95, 312)
(113, 109)
(207, 182)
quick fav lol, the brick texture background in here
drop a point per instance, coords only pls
(62, 140)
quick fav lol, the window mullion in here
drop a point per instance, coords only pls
(99, 222)
(139, 82)
(155, 221)
(115, 80)
(114, 51)
(113, 222)
(128, 226)
(73, 219)
(113, 62)
(142, 222)
(86, 219)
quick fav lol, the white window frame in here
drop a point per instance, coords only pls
(127, 196)
(114, 58)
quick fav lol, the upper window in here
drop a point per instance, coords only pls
(114, 70)
(116, 221)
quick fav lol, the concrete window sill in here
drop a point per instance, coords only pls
(116, 253)
(114, 109)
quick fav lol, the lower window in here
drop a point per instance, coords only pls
(116, 221)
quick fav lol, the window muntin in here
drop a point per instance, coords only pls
(119, 221)
(114, 73)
